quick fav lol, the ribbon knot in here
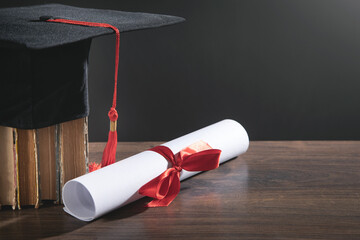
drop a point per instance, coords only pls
(165, 187)
(113, 115)
(178, 160)
(178, 168)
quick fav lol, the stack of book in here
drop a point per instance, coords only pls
(35, 164)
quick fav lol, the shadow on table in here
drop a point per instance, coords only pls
(129, 210)
(30, 223)
(51, 221)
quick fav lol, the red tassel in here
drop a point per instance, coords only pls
(109, 154)
(94, 166)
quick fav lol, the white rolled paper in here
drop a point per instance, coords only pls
(97, 193)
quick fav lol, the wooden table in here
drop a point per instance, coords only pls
(277, 190)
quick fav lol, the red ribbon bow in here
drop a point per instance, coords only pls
(165, 187)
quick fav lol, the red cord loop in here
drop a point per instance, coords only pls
(117, 46)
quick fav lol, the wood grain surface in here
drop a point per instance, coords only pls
(277, 190)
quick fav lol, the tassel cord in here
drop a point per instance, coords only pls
(109, 154)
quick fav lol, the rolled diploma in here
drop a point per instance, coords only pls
(97, 193)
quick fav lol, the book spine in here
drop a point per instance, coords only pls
(46, 147)
(7, 169)
(73, 150)
(28, 168)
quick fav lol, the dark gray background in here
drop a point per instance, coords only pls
(283, 69)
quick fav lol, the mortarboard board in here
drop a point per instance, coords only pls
(44, 60)
(44, 65)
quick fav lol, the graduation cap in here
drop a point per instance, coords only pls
(44, 60)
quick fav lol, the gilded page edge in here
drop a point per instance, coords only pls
(36, 169)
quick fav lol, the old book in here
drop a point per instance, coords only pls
(28, 168)
(73, 141)
(35, 164)
(46, 153)
(8, 164)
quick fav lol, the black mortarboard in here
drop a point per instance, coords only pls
(44, 65)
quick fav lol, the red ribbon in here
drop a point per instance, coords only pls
(196, 157)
